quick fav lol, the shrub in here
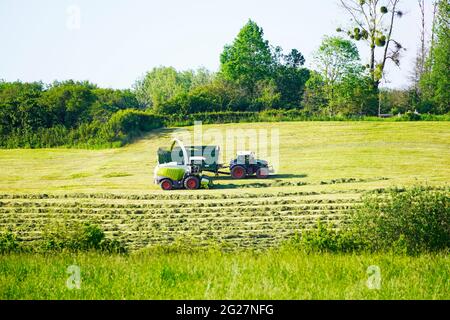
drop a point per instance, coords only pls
(129, 121)
(411, 116)
(412, 220)
(8, 242)
(79, 237)
(401, 220)
(326, 238)
(90, 237)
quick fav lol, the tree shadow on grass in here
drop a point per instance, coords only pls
(160, 133)
(156, 133)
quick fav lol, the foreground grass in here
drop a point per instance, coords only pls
(274, 274)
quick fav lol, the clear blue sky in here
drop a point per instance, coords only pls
(117, 41)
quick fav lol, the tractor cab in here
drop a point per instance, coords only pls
(245, 157)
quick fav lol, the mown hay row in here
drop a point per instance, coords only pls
(172, 196)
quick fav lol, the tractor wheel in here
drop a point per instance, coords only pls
(166, 184)
(192, 183)
(262, 173)
(238, 172)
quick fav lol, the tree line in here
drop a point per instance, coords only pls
(70, 113)
(254, 76)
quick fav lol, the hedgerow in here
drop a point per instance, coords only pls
(120, 129)
(277, 115)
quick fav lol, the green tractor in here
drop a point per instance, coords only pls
(177, 169)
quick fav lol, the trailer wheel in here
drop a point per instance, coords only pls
(238, 172)
(192, 183)
(166, 184)
(262, 173)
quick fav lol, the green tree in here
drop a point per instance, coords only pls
(354, 95)
(19, 107)
(314, 97)
(335, 60)
(249, 59)
(109, 101)
(435, 83)
(267, 96)
(397, 101)
(69, 102)
(341, 85)
(290, 78)
(219, 95)
(201, 76)
(160, 85)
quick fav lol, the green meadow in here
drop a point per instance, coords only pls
(324, 168)
(274, 274)
(375, 154)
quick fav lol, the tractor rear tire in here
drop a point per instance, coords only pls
(192, 183)
(262, 173)
(166, 184)
(238, 172)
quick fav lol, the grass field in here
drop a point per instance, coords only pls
(276, 274)
(310, 152)
(324, 169)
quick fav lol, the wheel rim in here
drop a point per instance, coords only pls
(166, 185)
(238, 172)
(191, 183)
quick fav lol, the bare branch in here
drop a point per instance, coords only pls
(351, 11)
(391, 27)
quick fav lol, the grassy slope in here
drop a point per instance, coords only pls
(277, 274)
(311, 152)
(404, 153)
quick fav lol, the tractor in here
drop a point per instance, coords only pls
(246, 165)
(176, 169)
(182, 166)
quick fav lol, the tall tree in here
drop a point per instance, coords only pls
(335, 59)
(201, 76)
(248, 59)
(69, 102)
(419, 63)
(20, 107)
(422, 36)
(341, 80)
(435, 83)
(435, 9)
(374, 22)
(289, 76)
(161, 84)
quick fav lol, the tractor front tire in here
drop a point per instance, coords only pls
(192, 183)
(166, 184)
(238, 172)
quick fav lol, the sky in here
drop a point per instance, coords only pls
(113, 43)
